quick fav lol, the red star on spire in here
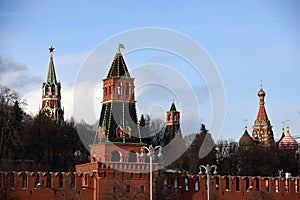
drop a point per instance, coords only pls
(51, 49)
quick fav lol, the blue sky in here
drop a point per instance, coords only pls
(248, 41)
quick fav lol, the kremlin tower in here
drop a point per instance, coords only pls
(172, 125)
(51, 93)
(118, 130)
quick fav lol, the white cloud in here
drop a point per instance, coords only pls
(14, 75)
(34, 99)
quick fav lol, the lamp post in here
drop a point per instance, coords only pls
(150, 154)
(208, 169)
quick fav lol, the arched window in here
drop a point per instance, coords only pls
(119, 89)
(127, 88)
(142, 189)
(46, 89)
(115, 156)
(132, 156)
(105, 90)
(53, 89)
(128, 132)
(119, 132)
(128, 188)
(109, 89)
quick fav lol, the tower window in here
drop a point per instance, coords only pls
(105, 91)
(46, 89)
(132, 157)
(118, 89)
(53, 89)
(115, 156)
(128, 188)
(119, 132)
(128, 132)
(127, 88)
(142, 189)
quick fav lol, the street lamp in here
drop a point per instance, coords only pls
(150, 154)
(208, 169)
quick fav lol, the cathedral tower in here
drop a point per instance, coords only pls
(51, 93)
(172, 124)
(262, 129)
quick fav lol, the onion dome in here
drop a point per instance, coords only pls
(261, 92)
(246, 140)
(288, 141)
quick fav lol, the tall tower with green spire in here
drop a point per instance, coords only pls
(118, 137)
(51, 93)
(118, 118)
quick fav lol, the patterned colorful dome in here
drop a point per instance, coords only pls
(288, 141)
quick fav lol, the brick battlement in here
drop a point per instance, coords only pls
(59, 185)
(121, 166)
(234, 187)
(48, 185)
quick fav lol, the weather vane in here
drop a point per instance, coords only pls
(121, 46)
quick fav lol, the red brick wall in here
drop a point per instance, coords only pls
(99, 185)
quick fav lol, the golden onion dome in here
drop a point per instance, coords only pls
(261, 92)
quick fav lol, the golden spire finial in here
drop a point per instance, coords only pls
(173, 100)
(121, 46)
(282, 126)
